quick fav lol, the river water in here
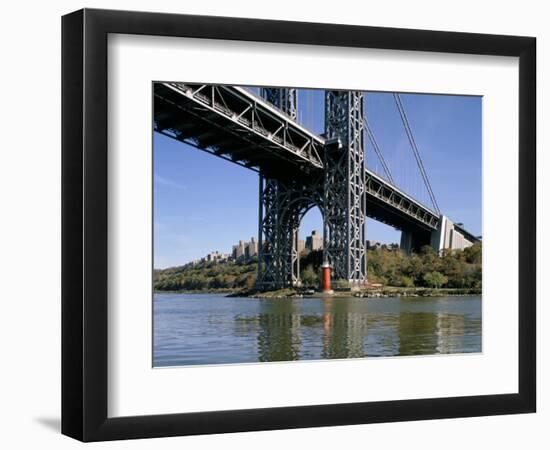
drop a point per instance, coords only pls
(191, 329)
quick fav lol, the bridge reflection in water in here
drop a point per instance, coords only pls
(209, 329)
(356, 328)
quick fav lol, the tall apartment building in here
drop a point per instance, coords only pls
(251, 248)
(314, 241)
(245, 250)
(238, 250)
(215, 257)
(301, 245)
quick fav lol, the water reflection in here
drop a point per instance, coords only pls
(344, 329)
(279, 331)
(251, 330)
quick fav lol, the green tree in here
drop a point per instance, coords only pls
(435, 279)
(309, 277)
(472, 254)
(250, 281)
(415, 268)
(405, 281)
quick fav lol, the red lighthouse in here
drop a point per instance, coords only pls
(325, 277)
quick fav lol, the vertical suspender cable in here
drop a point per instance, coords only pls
(378, 152)
(376, 148)
(415, 150)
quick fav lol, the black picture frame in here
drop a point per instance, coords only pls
(84, 224)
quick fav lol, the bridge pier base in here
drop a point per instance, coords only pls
(448, 235)
(406, 242)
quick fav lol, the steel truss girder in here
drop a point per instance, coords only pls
(377, 189)
(286, 99)
(393, 198)
(247, 118)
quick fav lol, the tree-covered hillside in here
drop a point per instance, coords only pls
(388, 267)
(206, 276)
(454, 269)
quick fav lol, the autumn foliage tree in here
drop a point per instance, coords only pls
(388, 266)
(458, 268)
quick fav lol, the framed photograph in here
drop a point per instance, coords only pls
(273, 224)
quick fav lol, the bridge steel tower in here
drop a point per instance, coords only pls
(339, 194)
(278, 259)
(344, 187)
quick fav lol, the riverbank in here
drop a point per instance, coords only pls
(367, 293)
(385, 292)
(228, 291)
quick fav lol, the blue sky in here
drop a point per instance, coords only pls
(203, 203)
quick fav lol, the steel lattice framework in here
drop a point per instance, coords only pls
(233, 123)
(282, 206)
(298, 170)
(344, 187)
(282, 203)
(339, 193)
(407, 212)
(286, 99)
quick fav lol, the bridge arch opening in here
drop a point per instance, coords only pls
(303, 209)
(310, 246)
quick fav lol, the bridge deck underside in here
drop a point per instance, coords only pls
(234, 127)
(211, 126)
(381, 212)
(388, 205)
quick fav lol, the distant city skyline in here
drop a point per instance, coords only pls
(246, 250)
(204, 204)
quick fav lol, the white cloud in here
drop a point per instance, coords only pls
(168, 182)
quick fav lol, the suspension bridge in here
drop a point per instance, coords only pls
(299, 169)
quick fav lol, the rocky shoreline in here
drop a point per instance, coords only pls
(367, 293)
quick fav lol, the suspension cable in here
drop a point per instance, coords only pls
(377, 150)
(415, 150)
